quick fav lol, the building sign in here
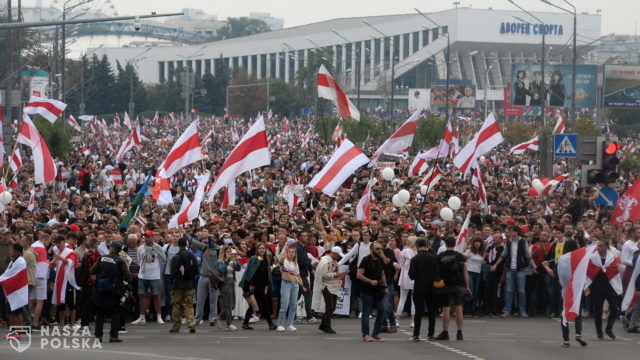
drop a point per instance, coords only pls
(622, 86)
(460, 96)
(530, 29)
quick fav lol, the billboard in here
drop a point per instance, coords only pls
(527, 88)
(622, 86)
(419, 99)
(38, 86)
(460, 96)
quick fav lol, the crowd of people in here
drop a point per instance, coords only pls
(259, 259)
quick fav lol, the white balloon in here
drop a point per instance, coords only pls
(5, 197)
(454, 203)
(482, 160)
(424, 189)
(404, 196)
(374, 181)
(446, 214)
(388, 174)
(396, 201)
(538, 185)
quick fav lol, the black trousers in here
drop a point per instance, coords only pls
(599, 293)
(330, 301)
(565, 328)
(419, 300)
(264, 304)
(115, 320)
(86, 305)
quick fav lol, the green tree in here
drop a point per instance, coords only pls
(246, 101)
(101, 99)
(286, 101)
(57, 136)
(127, 80)
(242, 26)
(165, 97)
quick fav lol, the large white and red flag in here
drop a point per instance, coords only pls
(186, 150)
(401, 138)
(32, 201)
(446, 141)
(116, 176)
(483, 141)
(627, 208)
(162, 190)
(527, 145)
(551, 185)
(190, 210)
(343, 163)
(15, 283)
(44, 166)
(49, 109)
(127, 121)
(558, 128)
(74, 124)
(15, 162)
(630, 296)
(572, 274)
(42, 264)
(65, 275)
(363, 209)
(476, 180)
(250, 153)
(132, 141)
(418, 166)
(229, 196)
(431, 179)
(463, 234)
(329, 89)
(293, 200)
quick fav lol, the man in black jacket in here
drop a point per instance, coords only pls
(184, 268)
(423, 270)
(305, 267)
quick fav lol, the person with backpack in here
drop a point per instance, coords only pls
(108, 291)
(184, 268)
(453, 270)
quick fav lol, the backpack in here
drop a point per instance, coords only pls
(450, 269)
(190, 264)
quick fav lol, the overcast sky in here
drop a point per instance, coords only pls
(618, 16)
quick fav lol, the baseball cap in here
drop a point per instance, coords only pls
(337, 250)
(116, 244)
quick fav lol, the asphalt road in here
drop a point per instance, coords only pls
(485, 338)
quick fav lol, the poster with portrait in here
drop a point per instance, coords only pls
(419, 99)
(527, 88)
(622, 86)
(460, 96)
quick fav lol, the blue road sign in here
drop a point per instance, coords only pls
(306, 111)
(564, 145)
(607, 197)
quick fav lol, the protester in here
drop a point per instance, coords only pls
(291, 281)
(424, 270)
(373, 289)
(454, 272)
(184, 268)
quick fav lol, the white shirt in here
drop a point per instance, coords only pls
(149, 264)
(628, 249)
(474, 261)
(364, 250)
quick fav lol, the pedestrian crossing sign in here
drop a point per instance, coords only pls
(564, 145)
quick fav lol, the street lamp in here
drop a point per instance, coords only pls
(392, 52)
(358, 65)
(575, 56)
(446, 96)
(187, 80)
(64, 41)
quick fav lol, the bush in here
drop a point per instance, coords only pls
(57, 136)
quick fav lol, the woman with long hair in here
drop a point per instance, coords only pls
(405, 283)
(241, 303)
(227, 266)
(556, 89)
(291, 283)
(475, 259)
(257, 282)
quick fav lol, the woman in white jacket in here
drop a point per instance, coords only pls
(404, 281)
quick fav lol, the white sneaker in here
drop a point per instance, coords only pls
(167, 318)
(76, 327)
(280, 328)
(291, 328)
(199, 322)
(411, 325)
(254, 319)
(184, 321)
(160, 319)
(141, 321)
(360, 316)
(231, 328)
(312, 320)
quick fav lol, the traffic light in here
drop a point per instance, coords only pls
(606, 170)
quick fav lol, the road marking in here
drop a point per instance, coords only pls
(343, 339)
(500, 334)
(448, 348)
(127, 353)
(234, 337)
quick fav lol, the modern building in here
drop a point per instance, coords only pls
(273, 22)
(483, 44)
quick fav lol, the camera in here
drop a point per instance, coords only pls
(136, 24)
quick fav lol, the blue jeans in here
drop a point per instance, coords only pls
(368, 303)
(515, 277)
(288, 299)
(389, 315)
(474, 285)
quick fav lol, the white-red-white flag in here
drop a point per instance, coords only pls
(162, 190)
(418, 166)
(329, 89)
(32, 201)
(527, 145)
(15, 283)
(65, 275)
(630, 296)
(337, 133)
(363, 209)
(553, 183)
(74, 124)
(343, 163)
(401, 138)
(305, 139)
(558, 128)
(477, 181)
(116, 176)
(483, 141)
(250, 153)
(431, 179)
(234, 135)
(463, 234)
(15, 162)
(184, 152)
(49, 109)
(127, 121)
(189, 211)
(229, 196)
(44, 166)
(156, 118)
(85, 150)
(292, 201)
(132, 141)
(572, 274)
